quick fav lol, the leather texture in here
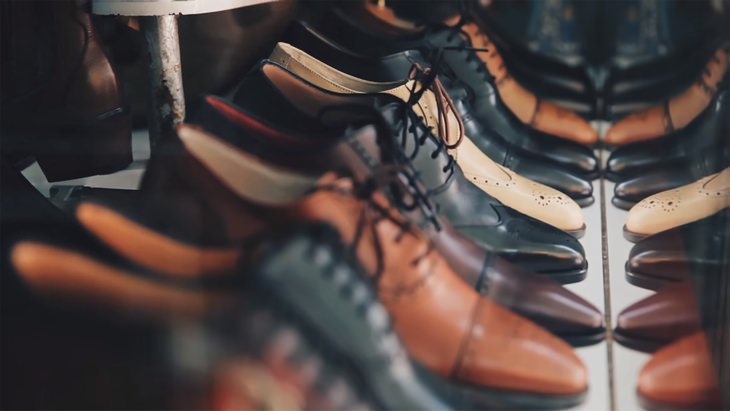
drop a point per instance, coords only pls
(412, 280)
(523, 240)
(681, 375)
(708, 130)
(659, 319)
(678, 254)
(459, 62)
(511, 189)
(316, 280)
(680, 206)
(675, 113)
(669, 176)
(575, 319)
(61, 100)
(530, 109)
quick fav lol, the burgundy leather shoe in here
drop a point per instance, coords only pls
(659, 319)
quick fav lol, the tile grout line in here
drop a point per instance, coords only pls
(606, 288)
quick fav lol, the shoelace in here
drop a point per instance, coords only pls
(427, 79)
(457, 31)
(400, 184)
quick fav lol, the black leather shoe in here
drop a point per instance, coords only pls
(702, 163)
(460, 64)
(674, 255)
(706, 131)
(523, 240)
(395, 67)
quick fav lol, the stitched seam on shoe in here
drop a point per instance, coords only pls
(464, 348)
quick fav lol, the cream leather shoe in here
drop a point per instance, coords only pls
(529, 197)
(680, 206)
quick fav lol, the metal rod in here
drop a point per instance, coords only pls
(166, 108)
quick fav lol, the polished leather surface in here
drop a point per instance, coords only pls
(555, 80)
(677, 112)
(529, 109)
(707, 130)
(680, 206)
(702, 164)
(659, 319)
(681, 375)
(674, 255)
(61, 101)
(314, 279)
(529, 197)
(578, 321)
(482, 92)
(416, 306)
(523, 240)
(412, 280)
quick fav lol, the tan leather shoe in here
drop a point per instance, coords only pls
(531, 198)
(680, 206)
(681, 375)
(529, 108)
(676, 112)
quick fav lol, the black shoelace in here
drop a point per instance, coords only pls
(411, 122)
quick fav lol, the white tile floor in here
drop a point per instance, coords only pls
(612, 382)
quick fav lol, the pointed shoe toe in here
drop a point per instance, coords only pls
(543, 369)
(574, 186)
(659, 319)
(679, 206)
(680, 376)
(658, 260)
(546, 302)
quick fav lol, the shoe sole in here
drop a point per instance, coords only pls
(584, 340)
(653, 405)
(579, 233)
(638, 344)
(632, 236)
(623, 203)
(487, 398)
(646, 281)
(585, 201)
(566, 277)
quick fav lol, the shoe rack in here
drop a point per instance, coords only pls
(613, 369)
(158, 21)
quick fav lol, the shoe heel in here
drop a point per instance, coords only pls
(102, 147)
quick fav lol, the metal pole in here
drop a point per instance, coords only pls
(166, 108)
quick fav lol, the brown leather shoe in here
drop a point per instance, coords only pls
(676, 112)
(417, 286)
(680, 376)
(445, 324)
(659, 319)
(61, 101)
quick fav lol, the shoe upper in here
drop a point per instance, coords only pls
(709, 129)
(680, 206)
(522, 194)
